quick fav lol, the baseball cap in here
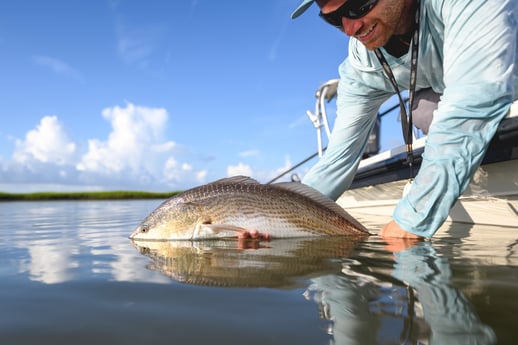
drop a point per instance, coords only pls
(302, 8)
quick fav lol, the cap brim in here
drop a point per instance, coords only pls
(302, 8)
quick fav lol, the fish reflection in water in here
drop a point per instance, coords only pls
(387, 298)
(279, 263)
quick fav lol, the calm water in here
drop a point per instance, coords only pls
(70, 275)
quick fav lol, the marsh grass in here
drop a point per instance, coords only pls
(105, 195)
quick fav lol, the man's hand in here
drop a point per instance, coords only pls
(392, 230)
(396, 238)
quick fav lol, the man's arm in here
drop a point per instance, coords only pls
(357, 107)
(479, 56)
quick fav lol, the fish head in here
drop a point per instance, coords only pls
(175, 219)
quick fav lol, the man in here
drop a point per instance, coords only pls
(467, 53)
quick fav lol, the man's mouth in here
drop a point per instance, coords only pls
(364, 36)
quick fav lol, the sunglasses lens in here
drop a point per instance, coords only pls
(362, 9)
(334, 20)
(352, 9)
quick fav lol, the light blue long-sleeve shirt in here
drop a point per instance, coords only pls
(467, 52)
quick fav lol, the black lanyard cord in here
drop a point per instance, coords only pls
(406, 117)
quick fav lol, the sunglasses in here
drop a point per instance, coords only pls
(352, 9)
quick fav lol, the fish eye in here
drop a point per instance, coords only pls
(144, 228)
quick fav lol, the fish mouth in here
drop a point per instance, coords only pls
(134, 235)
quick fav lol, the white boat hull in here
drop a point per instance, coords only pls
(491, 198)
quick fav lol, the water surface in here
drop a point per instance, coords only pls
(70, 275)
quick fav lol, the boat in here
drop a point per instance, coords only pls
(379, 183)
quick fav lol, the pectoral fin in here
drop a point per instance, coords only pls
(209, 230)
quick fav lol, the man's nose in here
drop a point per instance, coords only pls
(351, 26)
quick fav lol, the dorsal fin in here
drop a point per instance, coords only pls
(316, 196)
(236, 180)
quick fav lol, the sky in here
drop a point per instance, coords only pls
(158, 95)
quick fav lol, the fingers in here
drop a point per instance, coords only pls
(254, 234)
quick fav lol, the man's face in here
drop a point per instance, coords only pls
(387, 18)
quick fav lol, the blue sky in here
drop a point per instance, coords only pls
(157, 95)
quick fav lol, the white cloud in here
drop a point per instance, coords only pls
(175, 174)
(170, 169)
(137, 136)
(58, 66)
(136, 149)
(260, 175)
(287, 165)
(186, 167)
(201, 176)
(239, 169)
(164, 147)
(135, 155)
(48, 142)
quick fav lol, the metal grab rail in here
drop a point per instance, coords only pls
(326, 92)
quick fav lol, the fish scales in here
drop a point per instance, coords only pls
(281, 210)
(244, 203)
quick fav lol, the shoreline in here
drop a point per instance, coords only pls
(102, 195)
